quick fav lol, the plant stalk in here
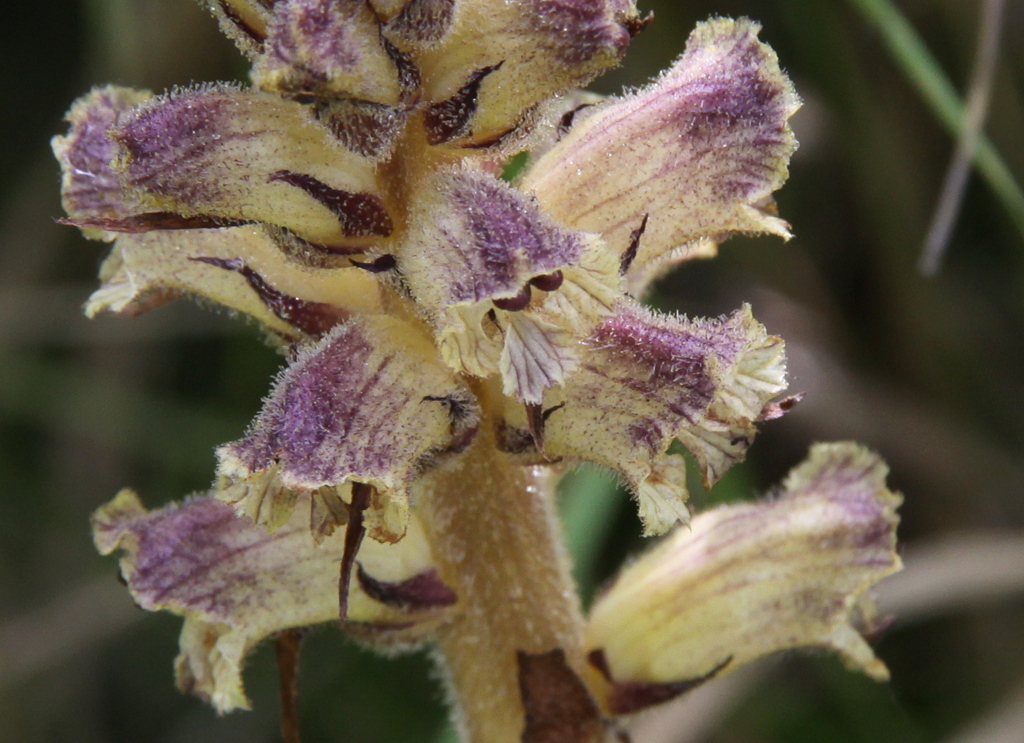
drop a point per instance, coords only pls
(493, 526)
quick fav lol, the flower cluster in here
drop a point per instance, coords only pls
(451, 335)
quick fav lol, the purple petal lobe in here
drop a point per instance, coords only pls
(490, 243)
(351, 409)
(327, 48)
(649, 379)
(423, 591)
(236, 583)
(700, 151)
(90, 187)
(577, 31)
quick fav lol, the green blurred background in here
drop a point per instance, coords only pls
(930, 372)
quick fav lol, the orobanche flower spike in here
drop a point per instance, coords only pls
(456, 341)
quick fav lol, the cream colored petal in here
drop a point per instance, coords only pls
(243, 21)
(236, 584)
(537, 356)
(751, 579)
(491, 62)
(644, 380)
(283, 294)
(249, 155)
(698, 154)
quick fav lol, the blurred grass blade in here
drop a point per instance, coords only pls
(917, 63)
(979, 96)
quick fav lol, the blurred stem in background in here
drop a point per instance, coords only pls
(921, 69)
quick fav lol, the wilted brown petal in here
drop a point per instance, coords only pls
(698, 154)
(369, 403)
(237, 584)
(646, 380)
(147, 269)
(747, 580)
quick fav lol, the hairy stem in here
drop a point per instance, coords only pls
(494, 528)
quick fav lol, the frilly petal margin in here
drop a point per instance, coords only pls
(698, 154)
(370, 403)
(747, 580)
(648, 379)
(236, 584)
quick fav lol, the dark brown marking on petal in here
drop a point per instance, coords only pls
(550, 411)
(366, 128)
(632, 697)
(314, 255)
(513, 440)
(408, 73)
(236, 20)
(355, 530)
(565, 123)
(378, 265)
(514, 304)
(548, 282)
(635, 25)
(558, 707)
(535, 424)
(423, 21)
(288, 646)
(463, 415)
(360, 214)
(138, 223)
(634, 246)
(312, 318)
(536, 418)
(447, 120)
(774, 410)
(425, 590)
(498, 140)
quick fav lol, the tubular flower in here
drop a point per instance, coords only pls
(453, 338)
